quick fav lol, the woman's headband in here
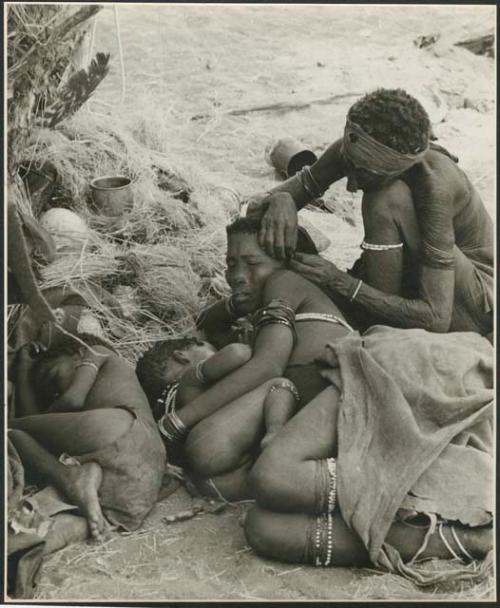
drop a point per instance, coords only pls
(368, 153)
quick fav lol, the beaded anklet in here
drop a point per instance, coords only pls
(287, 386)
(324, 523)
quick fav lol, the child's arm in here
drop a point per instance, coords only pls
(26, 401)
(85, 376)
(194, 382)
(273, 347)
(225, 361)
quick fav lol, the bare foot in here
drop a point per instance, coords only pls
(82, 484)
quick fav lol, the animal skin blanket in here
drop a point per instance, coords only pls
(415, 432)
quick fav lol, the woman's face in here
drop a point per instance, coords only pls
(362, 179)
(248, 267)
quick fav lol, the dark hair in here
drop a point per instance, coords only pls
(244, 225)
(70, 345)
(393, 118)
(152, 364)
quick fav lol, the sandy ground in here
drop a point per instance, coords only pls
(187, 61)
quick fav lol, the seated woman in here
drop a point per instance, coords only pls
(391, 464)
(228, 424)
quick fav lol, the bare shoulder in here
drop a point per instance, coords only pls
(388, 202)
(286, 285)
(441, 174)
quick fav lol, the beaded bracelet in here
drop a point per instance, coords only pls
(373, 247)
(355, 293)
(309, 183)
(198, 372)
(287, 386)
(87, 363)
(172, 427)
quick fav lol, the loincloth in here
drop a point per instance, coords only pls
(132, 468)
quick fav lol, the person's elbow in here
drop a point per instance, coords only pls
(438, 320)
(238, 353)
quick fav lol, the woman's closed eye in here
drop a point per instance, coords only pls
(254, 260)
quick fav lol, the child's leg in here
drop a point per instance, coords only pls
(291, 473)
(228, 439)
(293, 538)
(279, 406)
(79, 484)
(76, 433)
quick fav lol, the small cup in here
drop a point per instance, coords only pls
(289, 155)
(112, 194)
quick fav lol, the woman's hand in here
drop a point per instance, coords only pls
(278, 215)
(317, 270)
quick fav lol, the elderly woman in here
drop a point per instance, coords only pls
(428, 249)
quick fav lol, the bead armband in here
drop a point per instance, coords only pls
(356, 291)
(276, 312)
(87, 363)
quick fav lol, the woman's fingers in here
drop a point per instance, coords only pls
(308, 272)
(290, 239)
(279, 242)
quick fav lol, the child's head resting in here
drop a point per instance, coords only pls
(166, 361)
(249, 265)
(54, 369)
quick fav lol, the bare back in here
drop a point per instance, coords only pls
(117, 386)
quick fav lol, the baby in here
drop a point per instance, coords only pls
(174, 372)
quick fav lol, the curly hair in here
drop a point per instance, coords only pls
(152, 365)
(393, 118)
(70, 345)
(244, 225)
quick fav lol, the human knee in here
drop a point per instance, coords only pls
(257, 531)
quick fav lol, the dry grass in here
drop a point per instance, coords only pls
(181, 63)
(168, 252)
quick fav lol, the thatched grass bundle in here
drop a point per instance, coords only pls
(148, 273)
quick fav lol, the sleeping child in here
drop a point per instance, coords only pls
(87, 408)
(175, 372)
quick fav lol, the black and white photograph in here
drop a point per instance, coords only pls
(249, 302)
